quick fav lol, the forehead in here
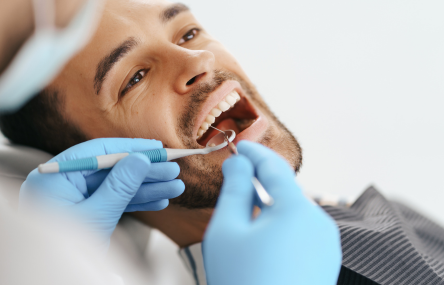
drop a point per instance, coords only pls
(127, 9)
(121, 19)
(124, 17)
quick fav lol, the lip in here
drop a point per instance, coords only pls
(253, 132)
(215, 97)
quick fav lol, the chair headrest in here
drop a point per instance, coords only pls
(18, 161)
(15, 164)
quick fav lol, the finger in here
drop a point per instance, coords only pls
(150, 192)
(272, 170)
(128, 145)
(94, 180)
(236, 197)
(121, 184)
(105, 146)
(158, 172)
(162, 171)
(38, 191)
(150, 206)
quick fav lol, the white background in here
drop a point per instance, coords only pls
(360, 84)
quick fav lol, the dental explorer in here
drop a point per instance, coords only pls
(263, 195)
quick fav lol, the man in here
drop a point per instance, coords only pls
(155, 77)
(136, 184)
(152, 71)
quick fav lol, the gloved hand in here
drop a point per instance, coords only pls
(98, 199)
(292, 242)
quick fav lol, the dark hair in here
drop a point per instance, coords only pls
(40, 124)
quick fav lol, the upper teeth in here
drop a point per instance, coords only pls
(229, 101)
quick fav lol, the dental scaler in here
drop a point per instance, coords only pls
(155, 155)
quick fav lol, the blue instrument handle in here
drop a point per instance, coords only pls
(93, 163)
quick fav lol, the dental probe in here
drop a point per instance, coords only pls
(263, 195)
(109, 160)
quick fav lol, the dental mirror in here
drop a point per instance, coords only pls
(219, 139)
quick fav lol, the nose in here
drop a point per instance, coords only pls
(194, 66)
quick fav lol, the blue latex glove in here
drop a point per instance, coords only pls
(292, 242)
(97, 200)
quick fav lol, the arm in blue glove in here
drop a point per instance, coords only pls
(292, 242)
(97, 200)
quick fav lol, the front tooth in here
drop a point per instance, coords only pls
(235, 95)
(223, 106)
(200, 133)
(210, 119)
(205, 126)
(230, 100)
(216, 112)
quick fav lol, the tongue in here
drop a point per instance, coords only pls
(228, 124)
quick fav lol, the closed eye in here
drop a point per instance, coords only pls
(191, 34)
(137, 77)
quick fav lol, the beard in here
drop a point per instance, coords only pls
(201, 174)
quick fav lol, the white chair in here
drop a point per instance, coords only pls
(144, 248)
(15, 164)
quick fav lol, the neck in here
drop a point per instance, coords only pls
(184, 226)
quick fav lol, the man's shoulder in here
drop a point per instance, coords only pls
(388, 242)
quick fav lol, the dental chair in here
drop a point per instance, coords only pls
(15, 164)
(147, 248)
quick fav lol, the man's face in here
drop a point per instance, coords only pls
(152, 71)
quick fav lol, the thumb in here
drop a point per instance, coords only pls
(122, 183)
(235, 202)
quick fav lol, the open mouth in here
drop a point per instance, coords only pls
(233, 112)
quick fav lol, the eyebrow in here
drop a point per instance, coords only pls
(107, 63)
(172, 11)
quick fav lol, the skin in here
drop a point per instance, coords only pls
(17, 24)
(154, 107)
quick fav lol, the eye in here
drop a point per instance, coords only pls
(191, 34)
(138, 76)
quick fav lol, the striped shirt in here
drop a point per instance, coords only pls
(383, 242)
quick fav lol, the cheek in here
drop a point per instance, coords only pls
(152, 118)
(82, 109)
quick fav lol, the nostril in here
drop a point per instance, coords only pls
(196, 78)
(192, 80)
